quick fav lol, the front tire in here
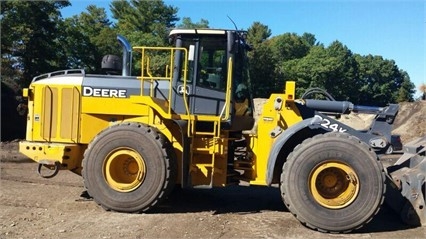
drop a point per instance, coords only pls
(333, 183)
(129, 168)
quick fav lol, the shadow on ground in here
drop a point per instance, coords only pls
(232, 199)
(252, 199)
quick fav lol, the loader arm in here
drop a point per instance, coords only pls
(378, 134)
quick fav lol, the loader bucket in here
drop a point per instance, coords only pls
(407, 178)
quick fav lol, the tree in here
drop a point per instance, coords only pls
(29, 30)
(87, 37)
(367, 80)
(258, 33)
(262, 66)
(187, 23)
(407, 89)
(289, 46)
(309, 71)
(340, 79)
(145, 23)
(144, 16)
(279, 50)
(381, 81)
(262, 72)
(310, 39)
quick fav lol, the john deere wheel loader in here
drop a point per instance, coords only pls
(190, 124)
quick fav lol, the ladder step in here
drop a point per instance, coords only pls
(201, 150)
(203, 133)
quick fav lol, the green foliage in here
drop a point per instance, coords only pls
(188, 24)
(145, 23)
(382, 81)
(262, 65)
(144, 16)
(86, 38)
(289, 46)
(29, 30)
(407, 89)
(367, 80)
(258, 33)
(308, 71)
(262, 72)
(36, 40)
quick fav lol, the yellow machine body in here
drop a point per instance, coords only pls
(61, 123)
(66, 111)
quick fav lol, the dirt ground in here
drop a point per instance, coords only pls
(33, 207)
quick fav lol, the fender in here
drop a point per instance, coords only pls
(282, 139)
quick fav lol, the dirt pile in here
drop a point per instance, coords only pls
(411, 120)
(357, 121)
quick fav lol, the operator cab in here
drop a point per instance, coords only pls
(216, 69)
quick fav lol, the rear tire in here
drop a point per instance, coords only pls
(129, 168)
(333, 183)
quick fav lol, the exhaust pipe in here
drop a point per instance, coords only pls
(127, 55)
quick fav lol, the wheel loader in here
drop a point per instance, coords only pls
(188, 121)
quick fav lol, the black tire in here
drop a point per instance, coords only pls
(333, 182)
(129, 167)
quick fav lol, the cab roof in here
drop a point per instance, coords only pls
(198, 31)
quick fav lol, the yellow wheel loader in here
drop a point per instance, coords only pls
(189, 123)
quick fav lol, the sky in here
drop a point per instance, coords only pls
(393, 29)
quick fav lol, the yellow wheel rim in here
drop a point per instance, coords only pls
(333, 184)
(124, 169)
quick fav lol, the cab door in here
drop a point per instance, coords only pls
(205, 84)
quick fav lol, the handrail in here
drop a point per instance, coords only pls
(56, 73)
(147, 76)
(148, 72)
(151, 79)
(227, 104)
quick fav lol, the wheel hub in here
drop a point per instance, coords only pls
(333, 184)
(124, 169)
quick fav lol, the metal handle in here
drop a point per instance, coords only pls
(182, 90)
